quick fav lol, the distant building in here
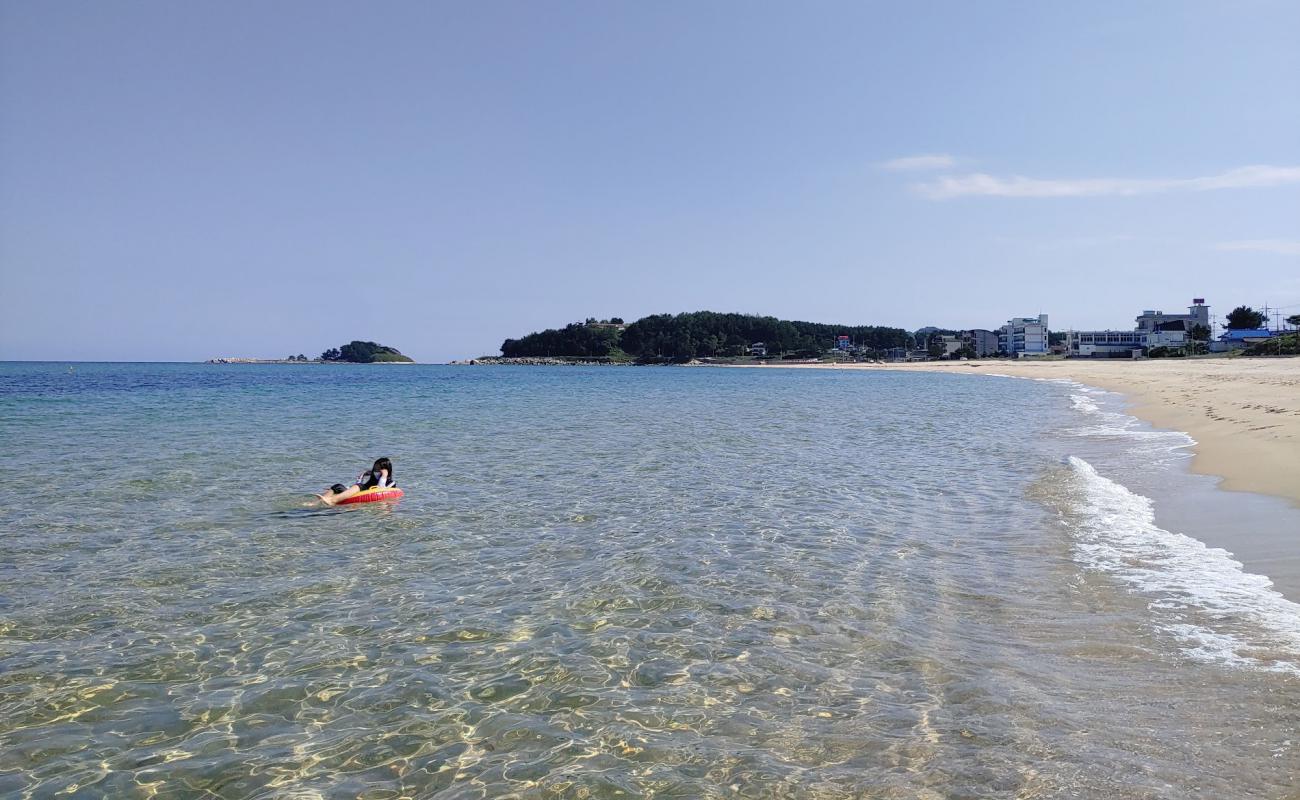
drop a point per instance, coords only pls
(1238, 338)
(758, 349)
(983, 342)
(950, 345)
(1198, 313)
(906, 354)
(1152, 329)
(1024, 336)
(843, 343)
(1104, 344)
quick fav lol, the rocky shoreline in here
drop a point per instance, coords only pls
(261, 361)
(287, 361)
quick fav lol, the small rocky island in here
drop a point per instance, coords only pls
(354, 352)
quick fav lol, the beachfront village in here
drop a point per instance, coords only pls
(708, 337)
(1155, 334)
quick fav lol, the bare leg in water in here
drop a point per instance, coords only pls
(332, 498)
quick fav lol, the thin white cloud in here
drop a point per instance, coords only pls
(918, 163)
(980, 184)
(1282, 247)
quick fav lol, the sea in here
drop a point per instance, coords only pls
(629, 583)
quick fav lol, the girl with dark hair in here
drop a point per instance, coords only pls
(380, 475)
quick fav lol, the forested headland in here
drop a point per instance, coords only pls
(699, 334)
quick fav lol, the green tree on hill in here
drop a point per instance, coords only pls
(575, 340)
(701, 334)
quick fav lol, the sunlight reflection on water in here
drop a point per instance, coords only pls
(601, 583)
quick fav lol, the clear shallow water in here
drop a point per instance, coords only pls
(617, 583)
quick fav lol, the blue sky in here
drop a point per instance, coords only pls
(187, 180)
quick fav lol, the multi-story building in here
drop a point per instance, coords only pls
(983, 342)
(1198, 313)
(1153, 329)
(1024, 336)
(949, 345)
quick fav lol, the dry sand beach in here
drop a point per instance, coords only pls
(1243, 413)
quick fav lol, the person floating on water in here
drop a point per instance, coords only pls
(380, 475)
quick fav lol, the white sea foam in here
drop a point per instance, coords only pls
(1084, 403)
(1106, 424)
(1201, 595)
(1112, 424)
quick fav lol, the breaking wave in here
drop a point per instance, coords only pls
(1201, 595)
(1101, 423)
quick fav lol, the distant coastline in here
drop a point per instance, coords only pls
(539, 361)
(354, 352)
(577, 361)
(233, 360)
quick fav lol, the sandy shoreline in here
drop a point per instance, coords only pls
(1243, 413)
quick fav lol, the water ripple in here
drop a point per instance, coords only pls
(601, 584)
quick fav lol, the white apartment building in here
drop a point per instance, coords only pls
(1024, 336)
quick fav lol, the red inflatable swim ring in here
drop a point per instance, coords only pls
(372, 495)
